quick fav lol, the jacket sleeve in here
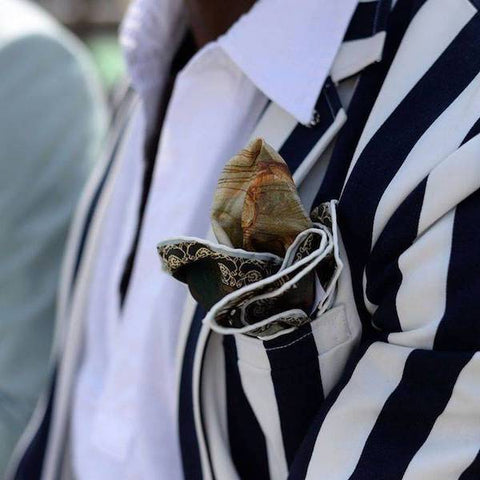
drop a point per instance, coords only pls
(51, 123)
(408, 406)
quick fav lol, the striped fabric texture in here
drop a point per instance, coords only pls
(384, 385)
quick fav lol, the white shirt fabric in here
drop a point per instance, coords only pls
(124, 420)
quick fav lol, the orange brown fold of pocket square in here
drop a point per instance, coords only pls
(256, 204)
(274, 265)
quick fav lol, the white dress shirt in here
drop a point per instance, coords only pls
(124, 420)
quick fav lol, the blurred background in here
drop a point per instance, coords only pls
(96, 22)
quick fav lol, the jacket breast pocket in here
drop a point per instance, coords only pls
(322, 345)
(286, 379)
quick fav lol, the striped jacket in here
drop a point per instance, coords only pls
(383, 385)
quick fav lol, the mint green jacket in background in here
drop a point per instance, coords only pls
(52, 121)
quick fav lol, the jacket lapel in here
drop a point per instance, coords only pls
(417, 118)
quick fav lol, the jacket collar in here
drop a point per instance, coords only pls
(286, 50)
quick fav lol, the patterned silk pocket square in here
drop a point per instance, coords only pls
(259, 293)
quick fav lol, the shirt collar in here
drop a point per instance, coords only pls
(287, 48)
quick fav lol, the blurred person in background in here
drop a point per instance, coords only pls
(52, 122)
(374, 103)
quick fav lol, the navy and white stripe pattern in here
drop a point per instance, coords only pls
(408, 408)
(222, 432)
(406, 170)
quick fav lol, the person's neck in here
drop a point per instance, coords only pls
(211, 18)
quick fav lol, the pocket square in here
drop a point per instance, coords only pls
(256, 205)
(274, 266)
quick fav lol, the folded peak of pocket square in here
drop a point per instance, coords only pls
(256, 205)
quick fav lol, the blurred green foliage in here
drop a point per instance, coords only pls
(107, 56)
